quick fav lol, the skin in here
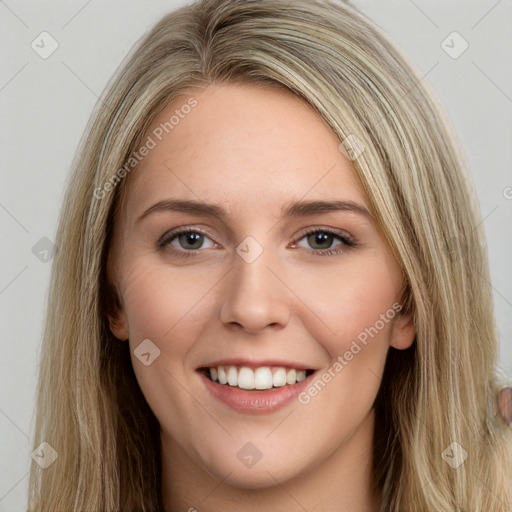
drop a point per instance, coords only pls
(252, 151)
(505, 405)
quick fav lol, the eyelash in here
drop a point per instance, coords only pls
(347, 241)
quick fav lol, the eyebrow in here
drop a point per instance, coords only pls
(295, 209)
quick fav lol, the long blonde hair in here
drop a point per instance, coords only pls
(439, 392)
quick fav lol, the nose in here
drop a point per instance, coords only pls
(255, 297)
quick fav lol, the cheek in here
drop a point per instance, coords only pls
(164, 306)
(352, 304)
(160, 302)
(352, 321)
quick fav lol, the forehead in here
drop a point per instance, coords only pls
(244, 146)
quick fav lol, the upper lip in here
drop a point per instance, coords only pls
(251, 363)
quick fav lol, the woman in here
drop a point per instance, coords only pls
(217, 375)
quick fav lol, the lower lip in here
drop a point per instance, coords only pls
(255, 402)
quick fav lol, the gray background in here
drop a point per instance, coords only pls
(45, 104)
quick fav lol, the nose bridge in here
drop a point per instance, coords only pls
(254, 297)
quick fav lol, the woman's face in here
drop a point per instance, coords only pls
(282, 272)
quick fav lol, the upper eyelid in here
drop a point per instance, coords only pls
(333, 231)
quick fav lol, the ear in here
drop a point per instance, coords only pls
(403, 331)
(116, 315)
(118, 325)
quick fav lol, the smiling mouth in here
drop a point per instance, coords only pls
(261, 378)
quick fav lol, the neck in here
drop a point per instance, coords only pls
(341, 482)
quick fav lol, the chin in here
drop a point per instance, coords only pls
(266, 476)
(264, 473)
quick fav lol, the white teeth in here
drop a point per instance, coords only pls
(260, 378)
(232, 376)
(223, 378)
(263, 378)
(245, 378)
(279, 378)
(301, 375)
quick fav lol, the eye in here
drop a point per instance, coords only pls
(322, 240)
(186, 240)
(191, 241)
